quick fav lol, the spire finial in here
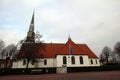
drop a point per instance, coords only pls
(69, 37)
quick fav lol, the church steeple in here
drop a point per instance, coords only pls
(31, 34)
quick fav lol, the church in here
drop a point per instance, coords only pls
(54, 56)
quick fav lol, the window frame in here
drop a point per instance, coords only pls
(81, 60)
(73, 60)
(33, 62)
(96, 61)
(45, 62)
(24, 62)
(91, 61)
(64, 60)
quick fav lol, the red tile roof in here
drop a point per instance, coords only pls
(50, 50)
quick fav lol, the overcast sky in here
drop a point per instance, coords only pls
(92, 22)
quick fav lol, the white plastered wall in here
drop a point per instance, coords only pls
(59, 60)
(94, 62)
(18, 64)
(51, 62)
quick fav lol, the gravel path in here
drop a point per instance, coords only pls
(105, 75)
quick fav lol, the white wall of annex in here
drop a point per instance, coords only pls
(59, 60)
(51, 62)
(18, 64)
(94, 62)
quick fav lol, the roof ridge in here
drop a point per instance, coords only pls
(54, 43)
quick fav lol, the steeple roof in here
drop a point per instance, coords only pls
(31, 34)
(31, 27)
(32, 20)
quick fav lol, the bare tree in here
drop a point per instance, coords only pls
(38, 37)
(117, 48)
(106, 52)
(2, 45)
(29, 50)
(9, 50)
(40, 46)
(102, 58)
(8, 53)
(114, 57)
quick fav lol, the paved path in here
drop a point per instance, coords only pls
(105, 75)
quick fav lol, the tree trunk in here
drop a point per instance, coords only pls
(28, 60)
(107, 59)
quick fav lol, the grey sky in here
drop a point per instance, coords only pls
(93, 22)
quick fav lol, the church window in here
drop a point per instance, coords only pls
(64, 60)
(24, 62)
(73, 59)
(33, 62)
(45, 62)
(81, 60)
(96, 61)
(91, 61)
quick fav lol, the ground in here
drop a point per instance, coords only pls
(104, 75)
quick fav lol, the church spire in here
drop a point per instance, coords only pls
(31, 28)
(32, 20)
(30, 34)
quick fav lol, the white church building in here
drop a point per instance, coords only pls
(58, 56)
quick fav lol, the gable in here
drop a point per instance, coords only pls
(75, 48)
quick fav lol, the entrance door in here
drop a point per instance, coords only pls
(62, 69)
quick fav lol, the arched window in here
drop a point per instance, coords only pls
(81, 60)
(96, 61)
(64, 60)
(33, 62)
(45, 62)
(73, 59)
(91, 61)
(24, 62)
